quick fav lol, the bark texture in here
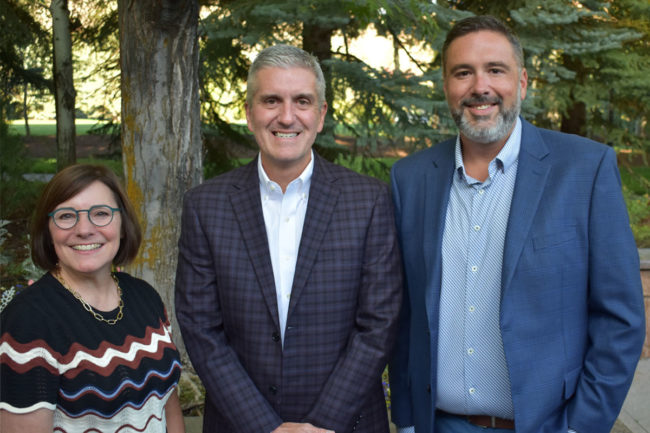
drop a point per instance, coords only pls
(317, 40)
(161, 135)
(64, 92)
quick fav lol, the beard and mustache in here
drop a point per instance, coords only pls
(473, 130)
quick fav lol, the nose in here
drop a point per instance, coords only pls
(286, 114)
(84, 225)
(481, 84)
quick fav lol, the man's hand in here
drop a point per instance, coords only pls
(292, 427)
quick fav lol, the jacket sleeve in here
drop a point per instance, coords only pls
(615, 307)
(401, 409)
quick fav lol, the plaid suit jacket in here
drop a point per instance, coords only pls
(344, 304)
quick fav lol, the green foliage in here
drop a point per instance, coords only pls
(375, 167)
(24, 52)
(636, 179)
(636, 191)
(13, 268)
(638, 207)
(585, 60)
(48, 165)
(370, 103)
(17, 196)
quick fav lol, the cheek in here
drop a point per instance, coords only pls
(118, 230)
(56, 237)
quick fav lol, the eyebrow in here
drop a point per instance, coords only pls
(499, 64)
(489, 65)
(309, 96)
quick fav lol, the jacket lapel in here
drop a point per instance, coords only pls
(320, 208)
(532, 174)
(247, 208)
(437, 184)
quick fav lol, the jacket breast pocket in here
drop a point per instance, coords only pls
(554, 238)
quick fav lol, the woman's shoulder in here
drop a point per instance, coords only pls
(35, 299)
(138, 289)
(35, 310)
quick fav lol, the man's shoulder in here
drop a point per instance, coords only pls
(427, 156)
(344, 177)
(564, 142)
(224, 182)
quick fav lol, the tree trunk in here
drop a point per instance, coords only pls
(161, 129)
(64, 92)
(396, 65)
(575, 119)
(25, 110)
(317, 41)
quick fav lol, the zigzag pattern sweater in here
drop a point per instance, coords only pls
(94, 376)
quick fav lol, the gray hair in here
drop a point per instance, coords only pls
(284, 56)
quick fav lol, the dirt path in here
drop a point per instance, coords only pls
(87, 146)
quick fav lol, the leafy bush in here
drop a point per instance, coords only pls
(17, 196)
(375, 167)
(638, 206)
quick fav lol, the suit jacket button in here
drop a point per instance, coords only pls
(275, 337)
(273, 389)
(429, 389)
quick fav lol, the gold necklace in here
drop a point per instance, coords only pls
(90, 309)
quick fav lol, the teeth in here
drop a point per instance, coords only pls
(287, 135)
(86, 247)
(483, 107)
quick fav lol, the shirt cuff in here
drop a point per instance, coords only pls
(410, 429)
(572, 431)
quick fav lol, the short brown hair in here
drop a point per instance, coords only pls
(66, 184)
(479, 23)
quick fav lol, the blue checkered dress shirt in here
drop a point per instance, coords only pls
(472, 371)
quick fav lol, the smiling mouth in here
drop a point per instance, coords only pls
(481, 103)
(87, 247)
(285, 134)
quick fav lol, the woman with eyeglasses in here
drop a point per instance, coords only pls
(85, 348)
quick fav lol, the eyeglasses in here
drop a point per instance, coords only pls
(67, 217)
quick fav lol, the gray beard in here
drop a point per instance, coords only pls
(486, 135)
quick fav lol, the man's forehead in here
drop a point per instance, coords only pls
(290, 80)
(492, 47)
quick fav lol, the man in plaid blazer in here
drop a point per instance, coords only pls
(289, 279)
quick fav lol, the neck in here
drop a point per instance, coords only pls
(284, 175)
(477, 156)
(98, 290)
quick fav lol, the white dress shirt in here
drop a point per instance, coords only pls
(284, 216)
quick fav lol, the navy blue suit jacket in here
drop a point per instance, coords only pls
(572, 315)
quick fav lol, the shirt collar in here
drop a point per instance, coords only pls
(504, 159)
(303, 181)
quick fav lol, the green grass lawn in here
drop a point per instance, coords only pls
(48, 127)
(48, 165)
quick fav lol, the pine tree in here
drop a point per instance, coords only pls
(376, 106)
(586, 62)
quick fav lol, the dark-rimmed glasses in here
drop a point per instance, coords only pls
(99, 215)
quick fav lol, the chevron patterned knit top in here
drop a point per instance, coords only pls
(96, 377)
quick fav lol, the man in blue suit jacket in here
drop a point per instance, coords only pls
(523, 307)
